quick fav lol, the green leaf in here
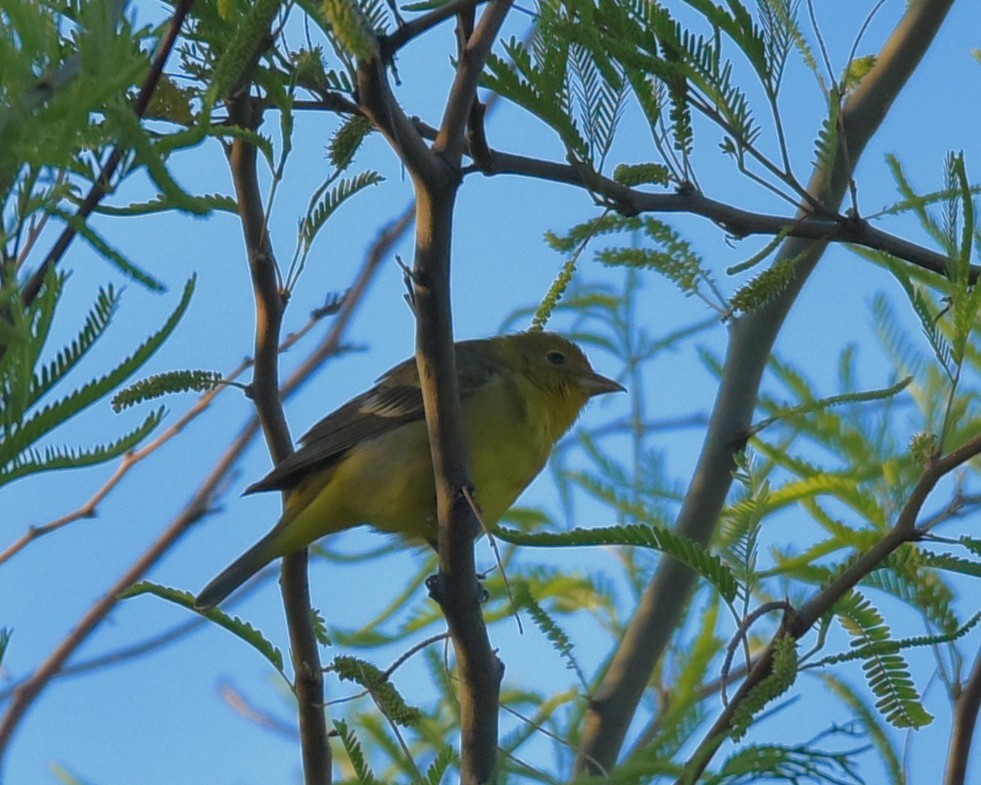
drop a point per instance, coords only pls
(885, 669)
(552, 631)
(240, 629)
(54, 458)
(163, 384)
(683, 549)
(353, 749)
(42, 422)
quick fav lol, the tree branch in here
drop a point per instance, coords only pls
(751, 340)
(966, 705)
(450, 139)
(738, 222)
(308, 681)
(390, 44)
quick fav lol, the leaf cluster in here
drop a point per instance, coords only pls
(27, 416)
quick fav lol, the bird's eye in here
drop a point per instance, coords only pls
(556, 358)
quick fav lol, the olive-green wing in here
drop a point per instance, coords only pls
(394, 401)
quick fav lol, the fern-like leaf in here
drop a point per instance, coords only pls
(683, 549)
(381, 689)
(325, 202)
(441, 763)
(354, 753)
(163, 384)
(551, 630)
(240, 629)
(32, 460)
(21, 437)
(885, 669)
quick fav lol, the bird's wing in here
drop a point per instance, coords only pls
(394, 401)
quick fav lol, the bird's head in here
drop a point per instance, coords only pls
(561, 369)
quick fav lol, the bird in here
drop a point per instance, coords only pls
(369, 462)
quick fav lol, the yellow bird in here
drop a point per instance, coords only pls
(369, 461)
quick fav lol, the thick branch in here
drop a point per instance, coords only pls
(436, 176)
(450, 139)
(751, 340)
(966, 705)
(392, 43)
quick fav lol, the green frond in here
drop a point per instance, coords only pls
(788, 763)
(765, 287)
(261, 142)
(827, 143)
(863, 651)
(823, 404)
(351, 28)
(783, 674)
(346, 141)
(242, 50)
(928, 320)
(319, 624)
(153, 157)
(162, 204)
(240, 629)
(873, 726)
(778, 29)
(163, 384)
(599, 90)
(768, 249)
(672, 255)
(324, 203)
(904, 353)
(20, 437)
(95, 324)
(539, 88)
(441, 763)
(842, 485)
(742, 520)
(32, 460)
(23, 333)
(551, 630)
(112, 255)
(921, 589)
(951, 563)
(376, 682)
(354, 753)
(687, 551)
(885, 669)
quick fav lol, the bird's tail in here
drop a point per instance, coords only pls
(237, 573)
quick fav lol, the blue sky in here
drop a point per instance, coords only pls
(160, 718)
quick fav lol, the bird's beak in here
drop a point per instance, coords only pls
(594, 384)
